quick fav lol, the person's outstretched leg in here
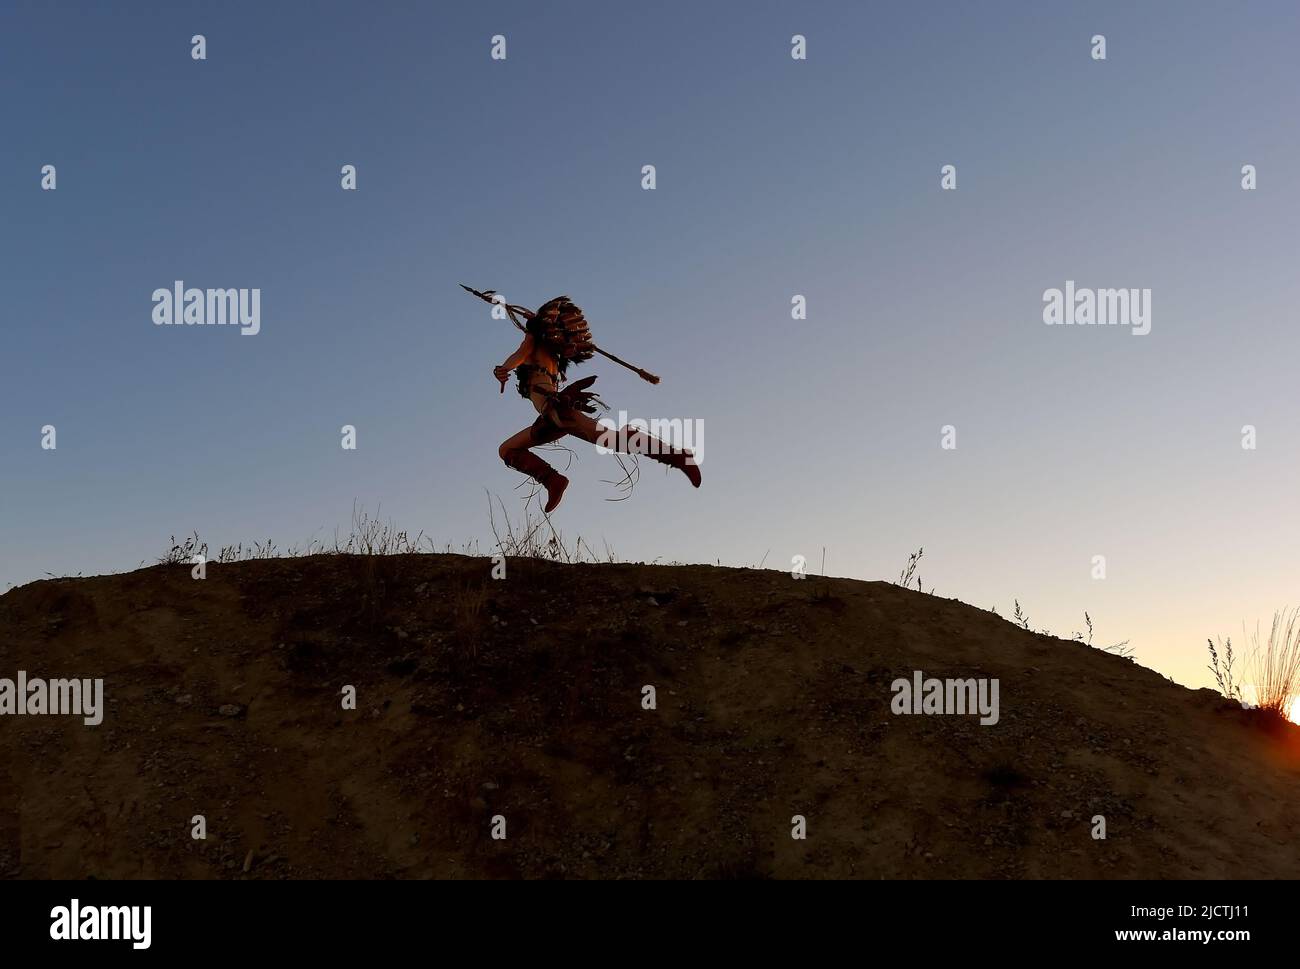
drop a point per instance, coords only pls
(629, 440)
(514, 452)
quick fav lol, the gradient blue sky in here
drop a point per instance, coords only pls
(775, 177)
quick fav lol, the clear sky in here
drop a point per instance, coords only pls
(775, 177)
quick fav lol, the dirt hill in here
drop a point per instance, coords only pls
(523, 698)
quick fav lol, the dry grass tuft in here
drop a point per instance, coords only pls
(1272, 667)
(1275, 663)
(1229, 682)
(536, 538)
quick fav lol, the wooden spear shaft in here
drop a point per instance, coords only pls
(643, 374)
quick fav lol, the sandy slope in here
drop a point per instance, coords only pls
(773, 700)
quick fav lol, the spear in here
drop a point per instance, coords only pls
(515, 312)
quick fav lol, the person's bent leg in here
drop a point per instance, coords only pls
(514, 452)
